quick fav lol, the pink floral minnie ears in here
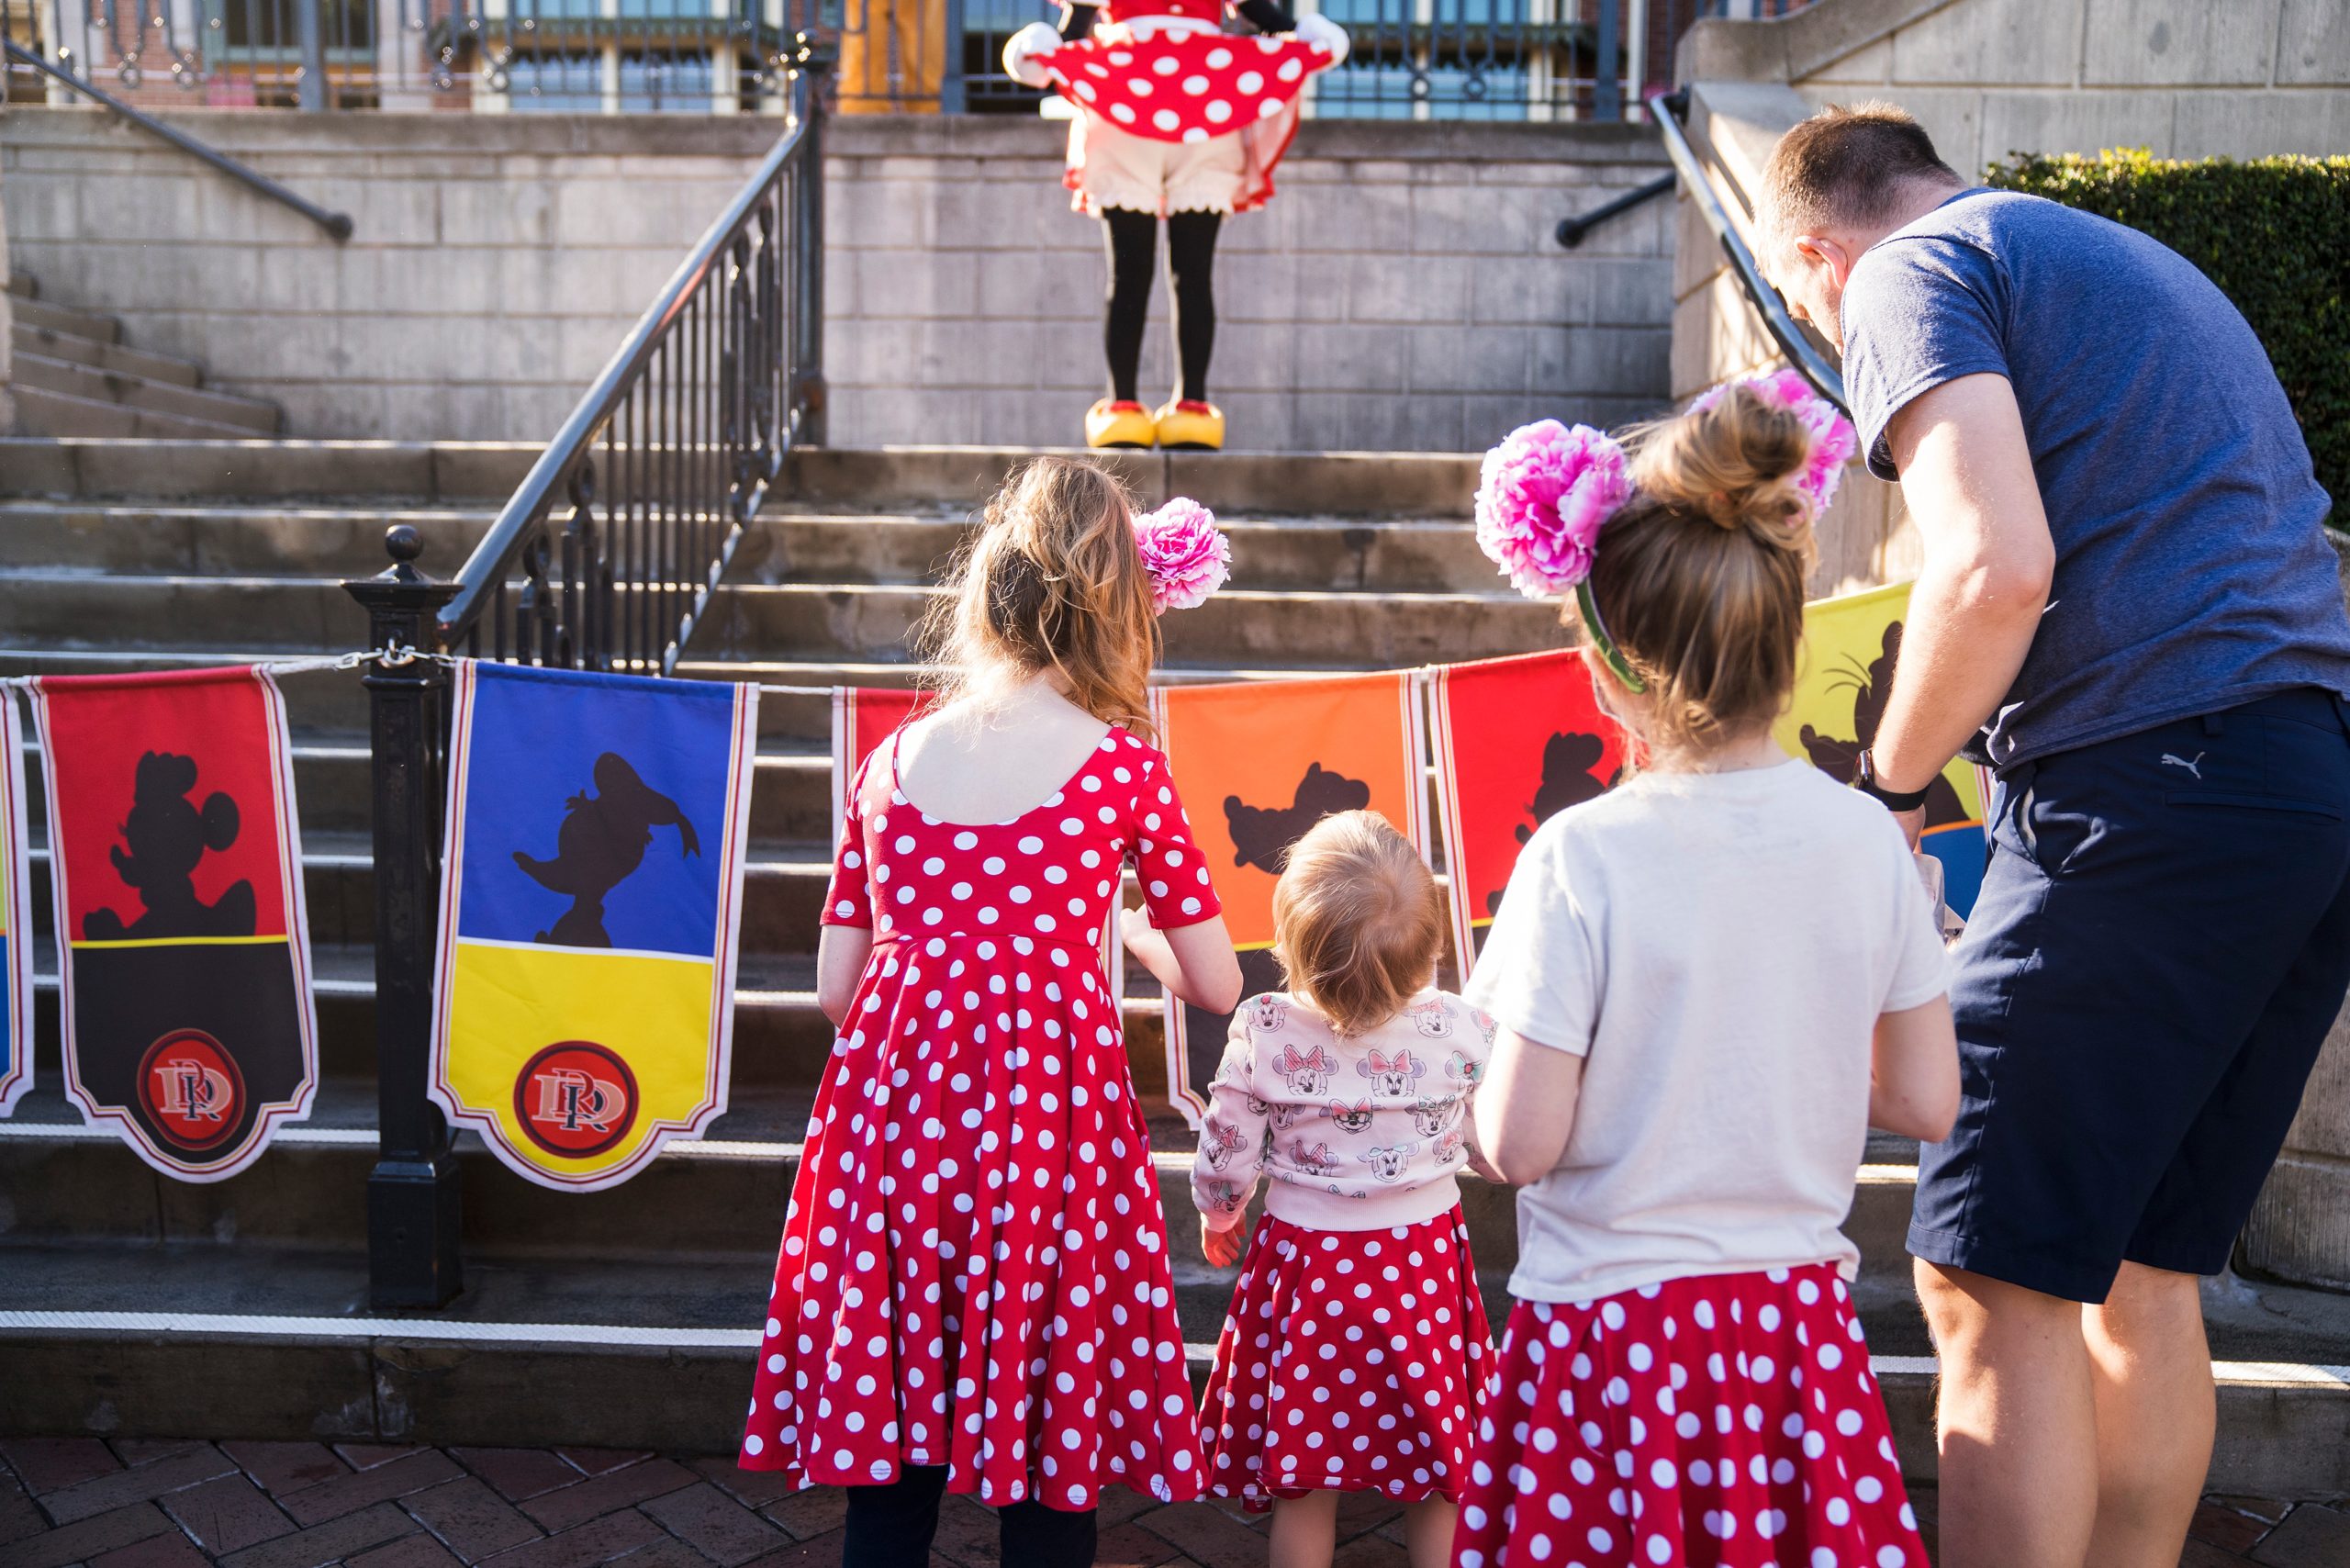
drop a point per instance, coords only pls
(1548, 489)
(1186, 555)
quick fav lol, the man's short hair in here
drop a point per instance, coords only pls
(1845, 166)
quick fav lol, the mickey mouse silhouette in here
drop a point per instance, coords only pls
(1262, 835)
(168, 834)
(603, 840)
(1872, 688)
(1570, 777)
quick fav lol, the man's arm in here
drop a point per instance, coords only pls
(1966, 478)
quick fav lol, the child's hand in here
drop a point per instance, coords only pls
(1135, 930)
(1223, 1247)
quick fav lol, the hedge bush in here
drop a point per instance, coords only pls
(2272, 233)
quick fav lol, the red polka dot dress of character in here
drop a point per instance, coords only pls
(1184, 88)
(974, 1269)
(1728, 1421)
(1352, 1361)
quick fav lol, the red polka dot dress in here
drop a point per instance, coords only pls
(974, 1271)
(1354, 1361)
(1722, 1421)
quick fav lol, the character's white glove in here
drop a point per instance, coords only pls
(1316, 28)
(1022, 48)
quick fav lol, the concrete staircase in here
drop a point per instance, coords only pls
(134, 1304)
(74, 376)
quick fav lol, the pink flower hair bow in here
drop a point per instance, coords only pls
(1833, 439)
(1542, 498)
(1186, 555)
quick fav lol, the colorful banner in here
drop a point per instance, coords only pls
(175, 863)
(1258, 764)
(590, 893)
(862, 717)
(16, 915)
(1516, 741)
(1850, 647)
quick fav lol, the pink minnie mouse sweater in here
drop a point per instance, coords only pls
(1358, 1133)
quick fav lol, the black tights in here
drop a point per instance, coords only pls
(890, 1526)
(1131, 239)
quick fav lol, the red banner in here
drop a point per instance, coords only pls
(862, 717)
(176, 873)
(1516, 741)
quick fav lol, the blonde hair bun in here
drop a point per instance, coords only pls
(1735, 462)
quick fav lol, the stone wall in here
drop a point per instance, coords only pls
(1403, 289)
(2186, 78)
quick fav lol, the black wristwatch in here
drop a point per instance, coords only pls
(1865, 781)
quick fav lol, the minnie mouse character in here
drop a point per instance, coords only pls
(1176, 119)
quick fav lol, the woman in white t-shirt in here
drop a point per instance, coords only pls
(1709, 983)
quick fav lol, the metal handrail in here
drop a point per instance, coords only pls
(1571, 230)
(1667, 110)
(337, 224)
(551, 476)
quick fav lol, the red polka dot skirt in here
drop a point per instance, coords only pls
(1184, 88)
(1352, 1361)
(1728, 1421)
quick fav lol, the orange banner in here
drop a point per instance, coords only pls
(1258, 764)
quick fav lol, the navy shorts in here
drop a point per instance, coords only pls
(2162, 942)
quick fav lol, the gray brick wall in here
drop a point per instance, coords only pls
(1401, 291)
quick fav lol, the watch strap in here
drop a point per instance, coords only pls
(1865, 781)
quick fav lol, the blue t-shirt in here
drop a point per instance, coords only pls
(2192, 574)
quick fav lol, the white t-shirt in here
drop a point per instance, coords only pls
(1717, 948)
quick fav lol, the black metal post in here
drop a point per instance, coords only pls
(807, 231)
(1608, 93)
(310, 92)
(412, 1215)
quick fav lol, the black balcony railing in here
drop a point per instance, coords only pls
(603, 559)
(1520, 59)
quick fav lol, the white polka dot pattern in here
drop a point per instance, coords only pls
(974, 1269)
(1201, 71)
(1351, 1360)
(1670, 1424)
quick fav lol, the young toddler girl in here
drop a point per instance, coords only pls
(973, 1292)
(1355, 1355)
(1709, 982)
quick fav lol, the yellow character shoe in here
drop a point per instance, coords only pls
(1113, 423)
(1189, 426)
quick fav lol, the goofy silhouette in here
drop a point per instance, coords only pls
(604, 839)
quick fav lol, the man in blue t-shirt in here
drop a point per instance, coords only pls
(2129, 610)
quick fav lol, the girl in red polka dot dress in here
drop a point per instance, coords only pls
(1710, 981)
(973, 1291)
(1355, 1355)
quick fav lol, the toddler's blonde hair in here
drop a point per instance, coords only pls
(1051, 580)
(1358, 924)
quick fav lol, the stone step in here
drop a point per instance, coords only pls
(278, 1343)
(66, 414)
(796, 543)
(29, 310)
(930, 478)
(47, 341)
(98, 382)
(287, 615)
(719, 1197)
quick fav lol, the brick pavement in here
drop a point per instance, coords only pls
(68, 1501)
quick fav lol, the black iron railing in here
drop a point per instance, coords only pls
(1669, 110)
(1508, 60)
(603, 559)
